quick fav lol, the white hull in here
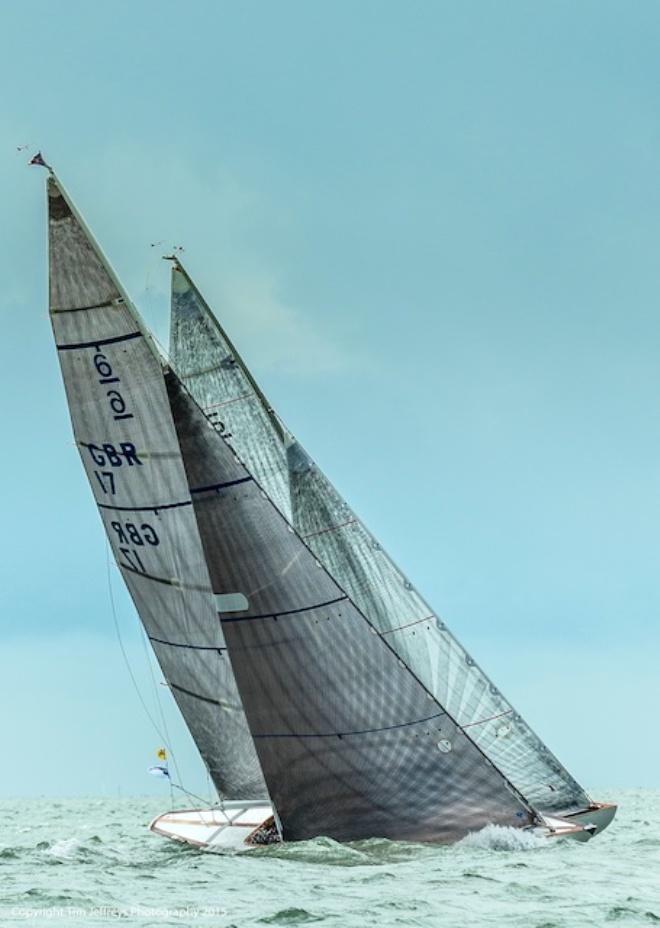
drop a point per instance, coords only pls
(238, 826)
(241, 826)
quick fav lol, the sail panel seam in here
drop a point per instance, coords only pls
(331, 528)
(155, 509)
(342, 734)
(173, 581)
(193, 647)
(397, 628)
(79, 309)
(221, 486)
(208, 370)
(277, 615)
(490, 718)
(236, 399)
(100, 341)
(182, 689)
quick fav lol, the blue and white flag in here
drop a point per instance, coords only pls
(160, 771)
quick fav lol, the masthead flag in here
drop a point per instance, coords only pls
(38, 160)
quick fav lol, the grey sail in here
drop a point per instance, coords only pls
(124, 431)
(351, 744)
(203, 355)
(223, 387)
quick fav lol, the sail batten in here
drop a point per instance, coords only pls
(349, 734)
(307, 499)
(99, 342)
(158, 507)
(114, 381)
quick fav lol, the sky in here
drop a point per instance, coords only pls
(432, 230)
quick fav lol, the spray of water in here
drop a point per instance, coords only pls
(502, 838)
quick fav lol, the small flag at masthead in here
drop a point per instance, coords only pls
(38, 161)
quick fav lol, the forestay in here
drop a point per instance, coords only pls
(217, 378)
(351, 744)
(124, 431)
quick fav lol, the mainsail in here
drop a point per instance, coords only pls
(351, 744)
(217, 378)
(125, 433)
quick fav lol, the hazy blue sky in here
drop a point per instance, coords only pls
(433, 230)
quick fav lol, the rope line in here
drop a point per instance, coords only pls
(113, 608)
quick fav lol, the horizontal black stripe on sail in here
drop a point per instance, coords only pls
(490, 718)
(155, 509)
(82, 309)
(398, 628)
(193, 647)
(168, 581)
(277, 615)
(182, 689)
(100, 341)
(347, 734)
(187, 375)
(221, 486)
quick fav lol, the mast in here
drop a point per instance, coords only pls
(356, 560)
(114, 381)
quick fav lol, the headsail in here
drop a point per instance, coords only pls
(225, 390)
(202, 354)
(351, 744)
(125, 434)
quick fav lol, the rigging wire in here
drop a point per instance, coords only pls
(201, 799)
(149, 659)
(168, 743)
(123, 649)
(154, 724)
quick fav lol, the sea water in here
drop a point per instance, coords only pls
(92, 862)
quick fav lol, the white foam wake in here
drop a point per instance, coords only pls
(503, 838)
(65, 848)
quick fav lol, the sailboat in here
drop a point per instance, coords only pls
(323, 693)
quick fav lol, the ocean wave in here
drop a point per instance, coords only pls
(79, 860)
(9, 853)
(368, 852)
(65, 849)
(503, 838)
(293, 916)
(315, 851)
(88, 850)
